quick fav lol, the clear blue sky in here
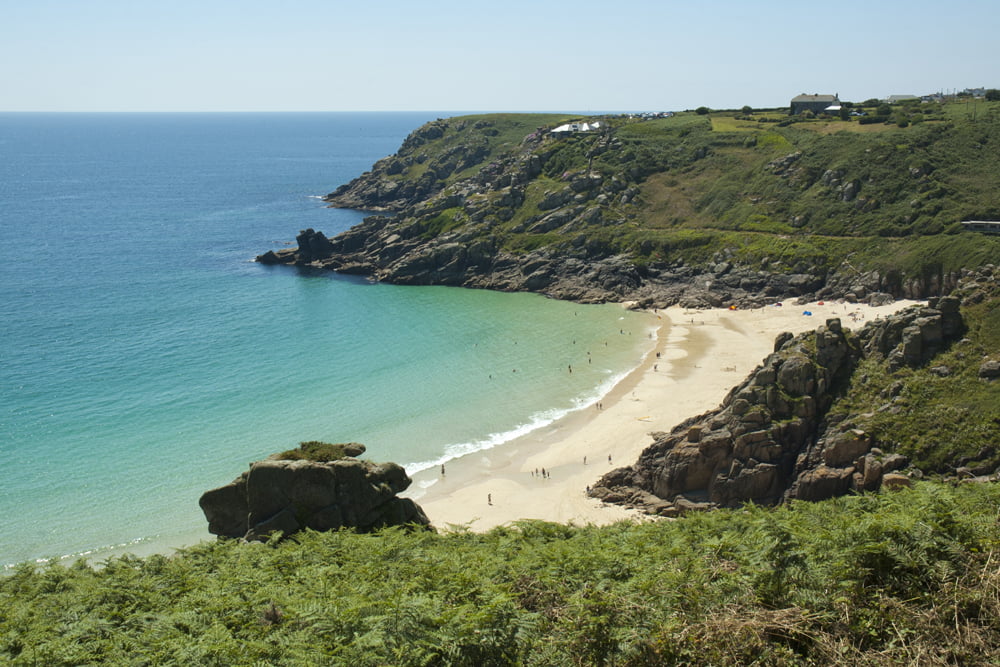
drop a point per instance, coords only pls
(445, 55)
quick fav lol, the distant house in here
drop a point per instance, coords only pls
(984, 226)
(896, 99)
(577, 127)
(815, 103)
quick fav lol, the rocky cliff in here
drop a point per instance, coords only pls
(381, 248)
(665, 211)
(287, 496)
(773, 438)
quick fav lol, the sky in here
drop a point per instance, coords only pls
(468, 55)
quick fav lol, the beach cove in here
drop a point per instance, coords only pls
(697, 356)
(160, 360)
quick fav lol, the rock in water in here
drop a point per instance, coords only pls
(288, 496)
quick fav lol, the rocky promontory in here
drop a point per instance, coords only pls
(656, 211)
(290, 495)
(380, 248)
(774, 437)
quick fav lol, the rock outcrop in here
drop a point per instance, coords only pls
(773, 438)
(400, 252)
(287, 496)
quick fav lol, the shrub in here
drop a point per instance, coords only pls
(314, 450)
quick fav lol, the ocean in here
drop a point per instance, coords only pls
(144, 358)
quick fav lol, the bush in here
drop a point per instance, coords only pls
(836, 582)
(702, 111)
(314, 450)
(871, 120)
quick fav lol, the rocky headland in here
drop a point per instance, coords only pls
(282, 495)
(628, 213)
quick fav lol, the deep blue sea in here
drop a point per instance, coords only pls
(144, 358)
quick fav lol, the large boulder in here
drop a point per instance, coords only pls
(287, 496)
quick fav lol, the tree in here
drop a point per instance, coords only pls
(747, 110)
(702, 111)
(992, 95)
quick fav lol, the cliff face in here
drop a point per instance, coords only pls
(773, 438)
(662, 212)
(287, 496)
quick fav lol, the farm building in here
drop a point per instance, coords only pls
(814, 103)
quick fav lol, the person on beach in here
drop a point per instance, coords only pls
(489, 498)
(442, 470)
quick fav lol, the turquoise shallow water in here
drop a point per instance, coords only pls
(144, 358)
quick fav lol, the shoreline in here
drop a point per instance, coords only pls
(702, 355)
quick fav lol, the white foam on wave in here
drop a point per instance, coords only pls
(87, 554)
(535, 422)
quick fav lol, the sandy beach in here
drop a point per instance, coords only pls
(701, 355)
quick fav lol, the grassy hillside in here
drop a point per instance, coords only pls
(811, 192)
(942, 415)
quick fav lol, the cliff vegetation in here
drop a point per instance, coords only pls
(696, 208)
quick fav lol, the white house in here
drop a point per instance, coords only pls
(578, 127)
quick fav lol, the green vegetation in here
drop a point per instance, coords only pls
(909, 177)
(942, 414)
(315, 450)
(895, 578)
